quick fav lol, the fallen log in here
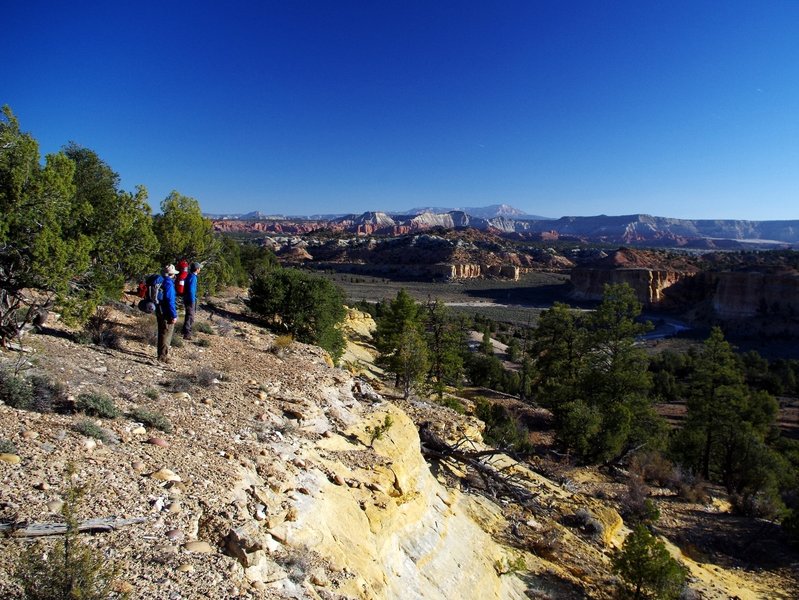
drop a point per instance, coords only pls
(34, 530)
(497, 483)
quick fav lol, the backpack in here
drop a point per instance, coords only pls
(180, 283)
(154, 293)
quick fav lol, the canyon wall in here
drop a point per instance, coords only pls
(751, 293)
(650, 285)
(748, 301)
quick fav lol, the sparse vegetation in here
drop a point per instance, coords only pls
(452, 403)
(101, 330)
(203, 327)
(151, 393)
(151, 419)
(68, 569)
(377, 432)
(180, 383)
(176, 342)
(205, 377)
(7, 446)
(586, 523)
(502, 429)
(97, 405)
(547, 543)
(89, 428)
(224, 327)
(145, 329)
(15, 391)
(202, 343)
(281, 343)
(48, 395)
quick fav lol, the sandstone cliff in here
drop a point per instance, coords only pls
(649, 273)
(747, 298)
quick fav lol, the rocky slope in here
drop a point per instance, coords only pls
(284, 477)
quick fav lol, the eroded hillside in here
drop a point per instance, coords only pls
(284, 477)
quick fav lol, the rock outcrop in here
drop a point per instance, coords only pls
(284, 477)
(650, 276)
(741, 294)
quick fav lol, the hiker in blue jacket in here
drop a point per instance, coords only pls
(166, 313)
(190, 298)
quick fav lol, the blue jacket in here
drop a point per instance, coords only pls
(190, 289)
(167, 306)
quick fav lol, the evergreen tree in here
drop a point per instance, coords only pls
(66, 229)
(486, 347)
(514, 350)
(398, 315)
(309, 307)
(410, 359)
(119, 223)
(594, 378)
(558, 348)
(445, 341)
(647, 568)
(183, 232)
(727, 425)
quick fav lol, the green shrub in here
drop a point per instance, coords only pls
(101, 330)
(48, 395)
(15, 391)
(97, 405)
(205, 377)
(203, 327)
(647, 568)
(307, 306)
(502, 430)
(91, 429)
(7, 446)
(151, 419)
(453, 403)
(151, 393)
(67, 569)
(203, 343)
(376, 432)
(177, 341)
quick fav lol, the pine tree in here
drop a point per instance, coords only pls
(445, 342)
(399, 315)
(647, 568)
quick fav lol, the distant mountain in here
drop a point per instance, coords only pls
(483, 212)
(635, 230)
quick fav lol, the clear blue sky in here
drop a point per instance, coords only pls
(681, 109)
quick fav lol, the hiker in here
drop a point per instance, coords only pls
(190, 299)
(166, 313)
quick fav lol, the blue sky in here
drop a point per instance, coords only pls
(679, 109)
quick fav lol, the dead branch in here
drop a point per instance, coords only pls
(497, 483)
(35, 530)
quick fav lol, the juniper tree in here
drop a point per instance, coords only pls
(445, 342)
(399, 315)
(307, 306)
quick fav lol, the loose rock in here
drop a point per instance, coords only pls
(198, 547)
